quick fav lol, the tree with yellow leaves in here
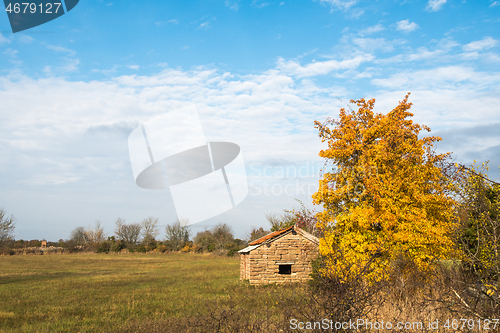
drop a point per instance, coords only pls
(386, 195)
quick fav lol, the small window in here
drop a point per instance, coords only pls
(285, 269)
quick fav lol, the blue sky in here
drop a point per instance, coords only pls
(259, 72)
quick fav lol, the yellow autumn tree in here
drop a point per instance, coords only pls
(385, 195)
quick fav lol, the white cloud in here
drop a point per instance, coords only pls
(110, 71)
(204, 25)
(339, 4)
(492, 57)
(52, 180)
(356, 13)
(321, 67)
(373, 29)
(435, 5)
(480, 45)
(206, 22)
(372, 44)
(71, 65)
(13, 59)
(4, 39)
(73, 134)
(26, 39)
(406, 26)
(446, 77)
(61, 49)
(447, 43)
(68, 65)
(47, 70)
(470, 55)
(260, 4)
(424, 54)
(494, 4)
(441, 53)
(234, 5)
(162, 23)
(11, 53)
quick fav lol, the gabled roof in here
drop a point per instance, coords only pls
(278, 234)
(269, 236)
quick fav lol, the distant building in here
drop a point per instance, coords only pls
(279, 257)
(44, 244)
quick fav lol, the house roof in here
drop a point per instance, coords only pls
(277, 234)
(269, 236)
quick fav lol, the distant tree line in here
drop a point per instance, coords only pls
(143, 236)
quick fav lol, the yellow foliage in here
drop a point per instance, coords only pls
(385, 195)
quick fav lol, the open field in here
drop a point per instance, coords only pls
(114, 292)
(186, 292)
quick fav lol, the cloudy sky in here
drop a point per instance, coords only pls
(259, 74)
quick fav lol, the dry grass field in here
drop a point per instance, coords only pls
(116, 292)
(186, 292)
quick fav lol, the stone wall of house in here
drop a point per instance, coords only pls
(244, 266)
(291, 248)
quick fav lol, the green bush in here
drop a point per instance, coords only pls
(141, 249)
(162, 248)
(118, 246)
(232, 252)
(151, 245)
(104, 247)
(72, 246)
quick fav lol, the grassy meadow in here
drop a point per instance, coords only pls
(187, 292)
(119, 292)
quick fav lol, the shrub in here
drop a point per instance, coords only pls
(188, 247)
(233, 248)
(72, 246)
(118, 246)
(161, 248)
(7, 251)
(211, 247)
(196, 248)
(151, 245)
(104, 247)
(141, 248)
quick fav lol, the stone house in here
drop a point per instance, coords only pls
(281, 256)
